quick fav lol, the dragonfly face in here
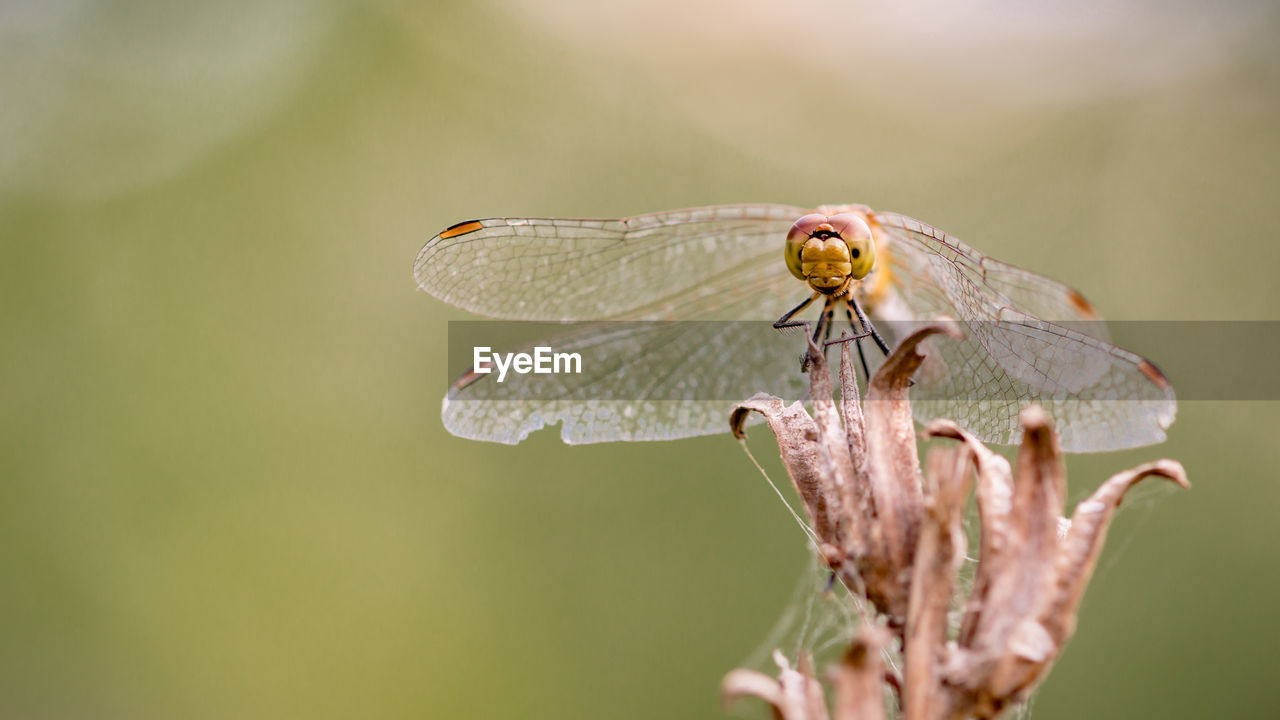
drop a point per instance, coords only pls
(1027, 338)
(829, 252)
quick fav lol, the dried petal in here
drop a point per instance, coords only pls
(891, 444)
(1088, 532)
(994, 492)
(854, 423)
(1007, 636)
(807, 464)
(859, 678)
(794, 695)
(801, 684)
(833, 452)
(749, 683)
(938, 557)
(1040, 489)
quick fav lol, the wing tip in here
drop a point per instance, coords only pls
(425, 253)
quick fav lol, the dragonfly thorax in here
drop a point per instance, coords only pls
(830, 252)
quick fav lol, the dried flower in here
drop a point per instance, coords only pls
(893, 535)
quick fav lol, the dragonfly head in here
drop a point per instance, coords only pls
(829, 252)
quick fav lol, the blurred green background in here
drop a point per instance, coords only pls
(224, 486)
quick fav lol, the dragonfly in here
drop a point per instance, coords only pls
(659, 299)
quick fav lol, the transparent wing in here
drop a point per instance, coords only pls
(1100, 396)
(681, 264)
(638, 381)
(1028, 338)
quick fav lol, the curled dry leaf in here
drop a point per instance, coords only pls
(794, 695)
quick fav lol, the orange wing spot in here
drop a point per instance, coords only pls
(461, 228)
(1084, 306)
(1153, 374)
(467, 378)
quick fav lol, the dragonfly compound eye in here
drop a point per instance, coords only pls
(799, 234)
(862, 249)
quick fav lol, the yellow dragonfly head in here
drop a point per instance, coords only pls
(829, 252)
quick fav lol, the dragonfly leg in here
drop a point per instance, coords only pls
(818, 341)
(866, 324)
(862, 358)
(844, 337)
(824, 324)
(785, 321)
(870, 329)
(858, 336)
